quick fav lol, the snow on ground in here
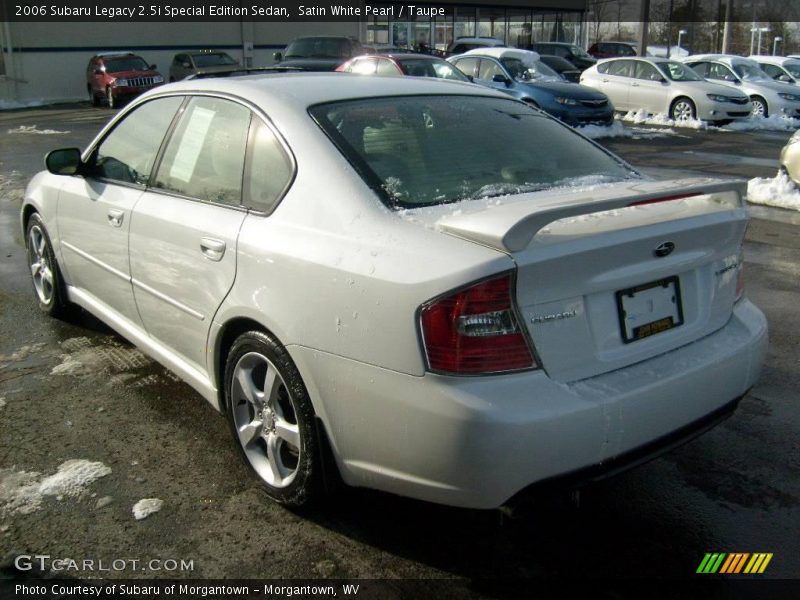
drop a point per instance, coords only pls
(146, 507)
(618, 130)
(12, 104)
(22, 492)
(771, 123)
(779, 191)
(642, 117)
(34, 130)
(2, 401)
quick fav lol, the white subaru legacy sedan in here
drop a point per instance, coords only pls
(423, 287)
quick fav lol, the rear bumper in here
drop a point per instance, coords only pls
(476, 442)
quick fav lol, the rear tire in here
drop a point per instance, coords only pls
(272, 420)
(48, 285)
(92, 96)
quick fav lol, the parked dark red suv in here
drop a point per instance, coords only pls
(119, 76)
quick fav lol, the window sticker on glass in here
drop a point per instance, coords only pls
(191, 144)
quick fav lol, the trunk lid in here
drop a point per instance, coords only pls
(614, 275)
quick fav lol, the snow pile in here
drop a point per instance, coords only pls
(2, 401)
(618, 130)
(771, 123)
(146, 507)
(32, 129)
(642, 117)
(68, 366)
(22, 492)
(779, 191)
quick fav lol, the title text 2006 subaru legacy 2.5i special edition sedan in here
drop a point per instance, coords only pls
(448, 292)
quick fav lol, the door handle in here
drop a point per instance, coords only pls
(634, 84)
(115, 217)
(605, 80)
(213, 249)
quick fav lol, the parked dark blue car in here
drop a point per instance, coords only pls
(521, 74)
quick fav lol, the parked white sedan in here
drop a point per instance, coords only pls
(663, 86)
(769, 97)
(367, 284)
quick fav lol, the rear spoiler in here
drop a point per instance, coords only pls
(510, 227)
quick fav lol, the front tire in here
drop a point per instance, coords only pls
(683, 109)
(760, 108)
(272, 420)
(48, 284)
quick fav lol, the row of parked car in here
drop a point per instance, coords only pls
(559, 78)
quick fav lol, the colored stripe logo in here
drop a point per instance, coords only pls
(734, 563)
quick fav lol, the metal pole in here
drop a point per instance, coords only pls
(726, 31)
(644, 19)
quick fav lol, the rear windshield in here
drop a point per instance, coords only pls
(212, 60)
(427, 150)
(318, 48)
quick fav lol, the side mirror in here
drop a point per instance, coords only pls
(66, 161)
(153, 67)
(785, 78)
(278, 56)
(500, 78)
(471, 78)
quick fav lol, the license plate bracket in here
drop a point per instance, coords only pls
(649, 309)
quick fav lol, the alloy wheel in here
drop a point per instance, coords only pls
(265, 419)
(41, 269)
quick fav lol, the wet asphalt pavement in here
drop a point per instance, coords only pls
(75, 390)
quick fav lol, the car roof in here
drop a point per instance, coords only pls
(399, 56)
(773, 60)
(723, 58)
(478, 40)
(284, 92)
(115, 53)
(526, 56)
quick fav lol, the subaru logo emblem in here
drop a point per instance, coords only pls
(664, 249)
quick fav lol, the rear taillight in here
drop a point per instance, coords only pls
(475, 331)
(663, 199)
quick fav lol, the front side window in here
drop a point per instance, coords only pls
(679, 72)
(128, 153)
(621, 68)
(489, 69)
(468, 66)
(647, 72)
(720, 72)
(416, 151)
(386, 68)
(205, 156)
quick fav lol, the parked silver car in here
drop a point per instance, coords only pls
(663, 86)
(790, 158)
(769, 97)
(780, 68)
(451, 294)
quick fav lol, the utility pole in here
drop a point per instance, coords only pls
(726, 31)
(644, 19)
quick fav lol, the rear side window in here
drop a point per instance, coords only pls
(269, 169)
(416, 151)
(700, 68)
(205, 156)
(128, 153)
(386, 68)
